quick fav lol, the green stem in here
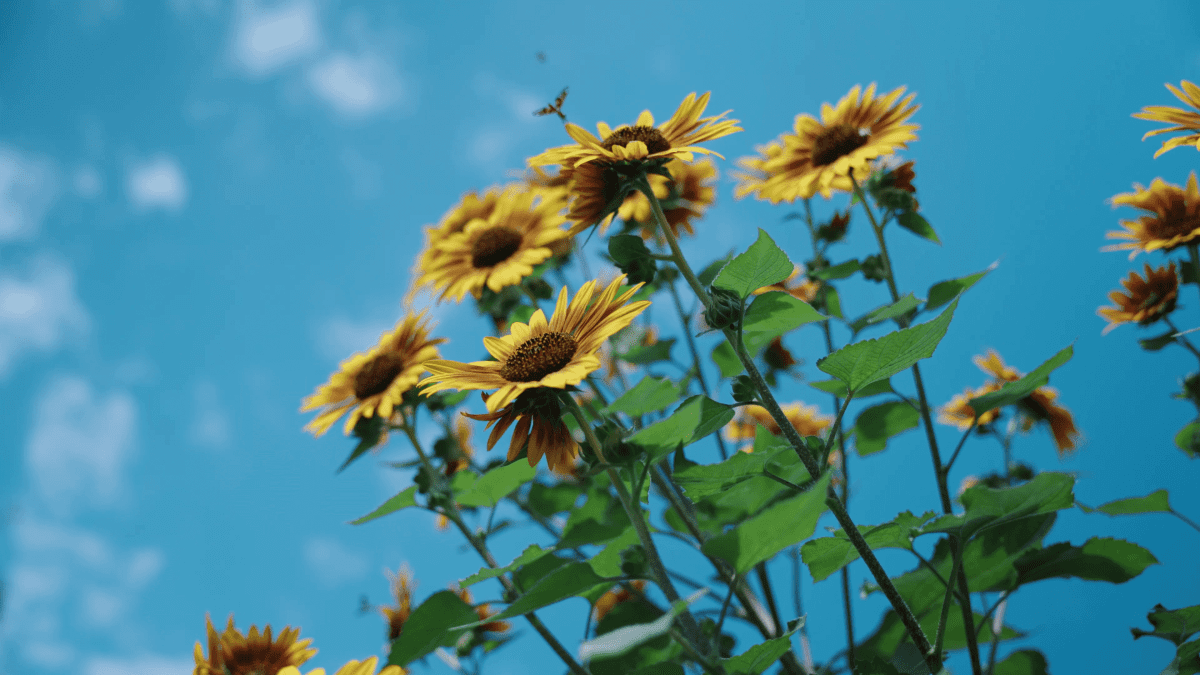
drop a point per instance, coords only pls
(941, 630)
(1185, 519)
(1180, 338)
(961, 442)
(764, 580)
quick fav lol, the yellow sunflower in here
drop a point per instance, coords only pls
(959, 413)
(351, 668)
(1145, 300)
(402, 590)
(496, 251)
(796, 285)
(232, 653)
(473, 206)
(684, 196)
(993, 365)
(822, 154)
(538, 415)
(1182, 120)
(1042, 406)
(375, 381)
(483, 611)
(1172, 220)
(613, 597)
(805, 419)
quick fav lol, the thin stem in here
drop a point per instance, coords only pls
(579, 255)
(691, 341)
(706, 663)
(941, 630)
(1180, 338)
(850, 659)
(961, 442)
(997, 627)
(765, 581)
(798, 604)
(1185, 519)
(725, 606)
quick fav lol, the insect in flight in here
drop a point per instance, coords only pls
(541, 57)
(554, 108)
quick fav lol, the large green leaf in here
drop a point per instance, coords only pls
(652, 657)
(402, 500)
(607, 563)
(621, 640)
(877, 424)
(1023, 662)
(567, 581)
(649, 395)
(599, 519)
(945, 291)
(1015, 391)
(782, 525)
(761, 265)
(862, 363)
(495, 485)
(1155, 502)
(694, 419)
(986, 507)
(1174, 625)
(547, 500)
(437, 622)
(530, 554)
(710, 272)
(1099, 559)
(827, 555)
(761, 656)
(839, 388)
(885, 313)
(1187, 659)
(642, 354)
(703, 480)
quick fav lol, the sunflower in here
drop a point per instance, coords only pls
(615, 596)
(822, 155)
(805, 419)
(483, 611)
(461, 452)
(1145, 300)
(255, 653)
(1172, 220)
(1041, 406)
(538, 415)
(473, 206)
(375, 381)
(959, 413)
(800, 287)
(1183, 120)
(496, 251)
(993, 365)
(684, 196)
(351, 668)
(402, 589)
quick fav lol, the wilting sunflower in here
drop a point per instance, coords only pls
(1172, 220)
(959, 413)
(483, 611)
(1145, 300)
(402, 589)
(232, 653)
(683, 197)
(805, 419)
(374, 382)
(822, 154)
(796, 285)
(1041, 406)
(496, 251)
(1182, 120)
(534, 361)
(352, 667)
(615, 596)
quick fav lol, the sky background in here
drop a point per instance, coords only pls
(204, 206)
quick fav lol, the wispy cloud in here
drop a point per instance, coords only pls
(87, 182)
(268, 39)
(157, 183)
(28, 187)
(491, 145)
(333, 562)
(355, 86)
(340, 337)
(210, 422)
(141, 665)
(39, 310)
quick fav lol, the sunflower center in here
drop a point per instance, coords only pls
(377, 375)
(836, 141)
(494, 245)
(539, 356)
(651, 136)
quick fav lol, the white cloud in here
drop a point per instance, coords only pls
(267, 39)
(87, 181)
(157, 183)
(28, 187)
(333, 562)
(142, 665)
(38, 310)
(355, 86)
(340, 337)
(210, 423)
(79, 446)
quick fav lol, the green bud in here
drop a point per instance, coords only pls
(743, 389)
(725, 310)
(873, 269)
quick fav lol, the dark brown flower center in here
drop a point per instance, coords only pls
(494, 245)
(377, 375)
(539, 356)
(836, 141)
(651, 136)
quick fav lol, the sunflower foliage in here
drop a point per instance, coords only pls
(663, 401)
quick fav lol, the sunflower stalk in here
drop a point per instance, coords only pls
(933, 661)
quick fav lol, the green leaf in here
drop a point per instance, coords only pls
(727, 361)
(694, 419)
(534, 571)
(877, 424)
(622, 640)
(649, 395)
(520, 315)
(437, 622)
(567, 581)
(607, 563)
(833, 302)
(862, 363)
(1188, 439)
(916, 223)
(1158, 342)
(1099, 559)
(988, 507)
(839, 388)
(1023, 662)
(827, 555)
(640, 354)
(530, 554)
(369, 431)
(703, 480)
(547, 500)
(1155, 502)
(1015, 391)
(493, 486)
(761, 537)
(709, 273)
(944, 291)
(626, 248)
(761, 656)
(838, 271)
(1187, 659)
(648, 658)
(761, 265)
(1174, 625)
(885, 313)
(402, 500)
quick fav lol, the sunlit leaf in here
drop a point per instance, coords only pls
(885, 313)
(761, 265)
(862, 363)
(702, 480)
(838, 271)
(1174, 625)
(649, 395)
(641, 354)
(1023, 662)
(839, 388)
(567, 581)
(530, 554)
(986, 507)
(694, 419)
(1155, 502)
(916, 223)
(402, 500)
(621, 640)
(1188, 439)
(492, 487)
(944, 291)
(761, 656)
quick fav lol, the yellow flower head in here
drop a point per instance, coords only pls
(497, 251)
(1172, 219)
(1180, 119)
(473, 206)
(351, 668)
(805, 419)
(821, 155)
(684, 197)
(402, 590)
(1145, 300)
(993, 365)
(374, 382)
(254, 653)
(959, 413)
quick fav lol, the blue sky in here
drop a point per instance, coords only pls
(204, 206)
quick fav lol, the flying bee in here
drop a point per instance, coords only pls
(555, 108)
(541, 57)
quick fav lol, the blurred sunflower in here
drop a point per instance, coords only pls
(496, 251)
(615, 596)
(473, 206)
(806, 420)
(1182, 120)
(351, 668)
(684, 197)
(959, 413)
(796, 285)
(1172, 220)
(402, 584)
(822, 154)
(374, 382)
(232, 653)
(483, 611)
(1145, 300)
